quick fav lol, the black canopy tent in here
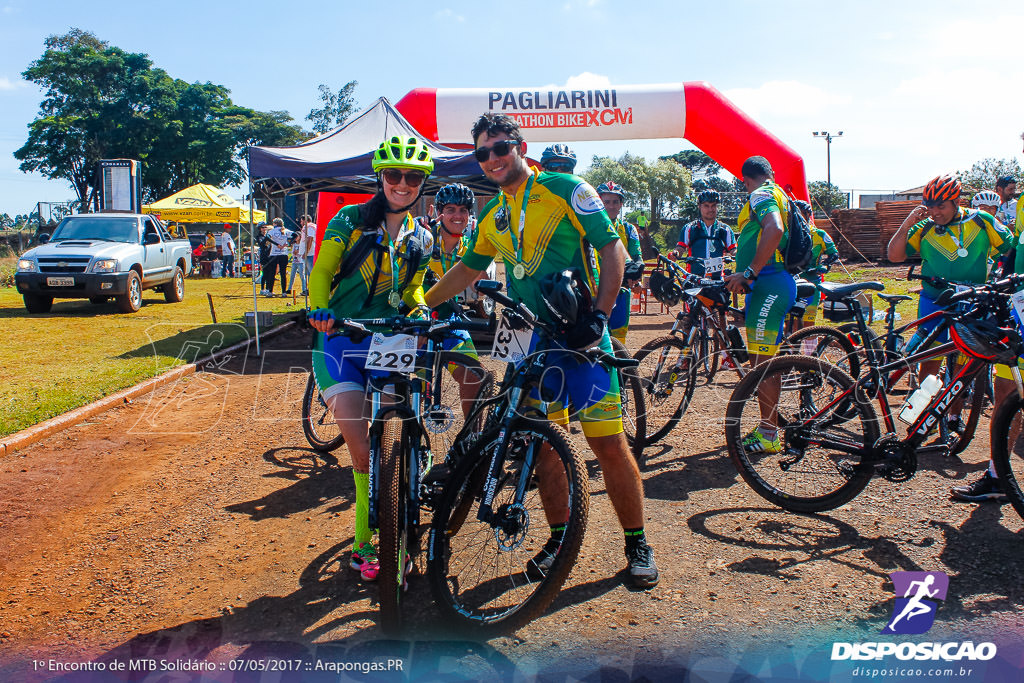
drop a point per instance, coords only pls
(341, 161)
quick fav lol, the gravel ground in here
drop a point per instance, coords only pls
(195, 524)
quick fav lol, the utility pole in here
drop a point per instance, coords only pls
(828, 137)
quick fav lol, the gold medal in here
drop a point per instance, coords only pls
(961, 252)
(395, 299)
(519, 271)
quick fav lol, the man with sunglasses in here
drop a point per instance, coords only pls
(558, 158)
(954, 244)
(539, 224)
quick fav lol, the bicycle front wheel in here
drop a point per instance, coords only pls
(318, 423)
(463, 382)
(668, 376)
(394, 537)
(482, 573)
(819, 461)
(1008, 449)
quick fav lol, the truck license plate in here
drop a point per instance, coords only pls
(60, 282)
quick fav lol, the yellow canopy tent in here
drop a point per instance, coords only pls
(202, 204)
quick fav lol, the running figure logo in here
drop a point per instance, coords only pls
(916, 592)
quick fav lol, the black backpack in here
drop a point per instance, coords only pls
(799, 250)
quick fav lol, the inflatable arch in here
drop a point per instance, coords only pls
(695, 111)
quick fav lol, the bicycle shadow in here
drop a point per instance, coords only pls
(286, 628)
(798, 539)
(675, 479)
(317, 478)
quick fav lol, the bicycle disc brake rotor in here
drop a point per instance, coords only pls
(439, 419)
(513, 521)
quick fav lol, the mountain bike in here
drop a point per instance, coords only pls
(490, 524)
(669, 365)
(891, 346)
(401, 401)
(831, 445)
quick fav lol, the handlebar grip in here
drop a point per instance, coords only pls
(608, 359)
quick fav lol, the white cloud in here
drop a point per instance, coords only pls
(7, 84)
(583, 81)
(448, 14)
(786, 98)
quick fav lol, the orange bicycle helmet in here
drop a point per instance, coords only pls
(941, 188)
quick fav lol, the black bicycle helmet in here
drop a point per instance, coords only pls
(560, 157)
(664, 288)
(986, 340)
(805, 207)
(708, 196)
(455, 193)
(565, 296)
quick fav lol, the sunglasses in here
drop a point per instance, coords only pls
(412, 178)
(501, 148)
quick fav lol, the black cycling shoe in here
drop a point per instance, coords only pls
(643, 573)
(539, 566)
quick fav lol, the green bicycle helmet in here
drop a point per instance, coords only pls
(403, 151)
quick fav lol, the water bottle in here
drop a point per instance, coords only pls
(920, 399)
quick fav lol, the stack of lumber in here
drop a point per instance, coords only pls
(859, 235)
(891, 216)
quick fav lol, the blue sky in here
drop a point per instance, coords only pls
(917, 87)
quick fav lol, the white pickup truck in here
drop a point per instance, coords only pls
(102, 255)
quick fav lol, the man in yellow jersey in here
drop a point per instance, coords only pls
(612, 196)
(539, 225)
(770, 289)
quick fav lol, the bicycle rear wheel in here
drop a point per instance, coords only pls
(393, 521)
(1008, 449)
(444, 421)
(821, 464)
(711, 346)
(828, 343)
(477, 569)
(968, 415)
(318, 423)
(668, 376)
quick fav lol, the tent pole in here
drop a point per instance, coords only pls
(252, 269)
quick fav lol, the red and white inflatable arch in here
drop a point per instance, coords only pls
(695, 111)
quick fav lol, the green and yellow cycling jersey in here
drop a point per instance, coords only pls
(766, 199)
(563, 212)
(821, 246)
(960, 250)
(630, 237)
(442, 260)
(351, 297)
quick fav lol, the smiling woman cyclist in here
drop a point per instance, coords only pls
(372, 260)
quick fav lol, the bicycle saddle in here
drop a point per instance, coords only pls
(894, 298)
(804, 288)
(837, 292)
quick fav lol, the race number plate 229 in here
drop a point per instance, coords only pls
(511, 346)
(393, 353)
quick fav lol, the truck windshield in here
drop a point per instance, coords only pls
(112, 229)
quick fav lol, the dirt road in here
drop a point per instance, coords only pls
(195, 526)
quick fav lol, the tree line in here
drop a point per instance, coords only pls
(101, 102)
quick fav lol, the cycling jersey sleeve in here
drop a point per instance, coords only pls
(633, 238)
(914, 237)
(684, 236)
(999, 236)
(332, 251)
(480, 251)
(730, 239)
(763, 202)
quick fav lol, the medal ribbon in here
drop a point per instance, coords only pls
(522, 219)
(392, 254)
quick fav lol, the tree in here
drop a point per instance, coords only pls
(103, 103)
(336, 109)
(700, 164)
(983, 174)
(826, 197)
(662, 185)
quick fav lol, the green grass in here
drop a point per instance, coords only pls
(895, 280)
(80, 352)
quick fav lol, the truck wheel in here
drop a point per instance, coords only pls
(131, 300)
(37, 303)
(174, 291)
(97, 299)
